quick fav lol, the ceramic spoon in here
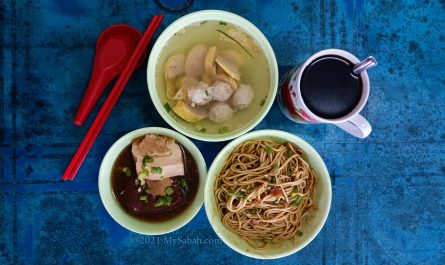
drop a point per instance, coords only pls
(113, 50)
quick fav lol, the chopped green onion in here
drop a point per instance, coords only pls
(276, 167)
(207, 93)
(299, 233)
(237, 42)
(269, 149)
(232, 192)
(183, 184)
(147, 191)
(297, 202)
(262, 102)
(274, 179)
(223, 130)
(223, 23)
(203, 22)
(147, 159)
(159, 202)
(288, 172)
(289, 153)
(143, 198)
(156, 170)
(142, 175)
(168, 200)
(241, 194)
(167, 107)
(163, 201)
(169, 191)
(294, 192)
(127, 171)
(199, 128)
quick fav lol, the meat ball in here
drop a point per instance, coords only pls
(200, 94)
(242, 97)
(221, 91)
(220, 112)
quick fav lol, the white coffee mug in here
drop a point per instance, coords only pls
(293, 106)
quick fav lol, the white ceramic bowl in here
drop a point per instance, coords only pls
(130, 222)
(197, 17)
(310, 228)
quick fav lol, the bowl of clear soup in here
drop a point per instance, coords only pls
(212, 75)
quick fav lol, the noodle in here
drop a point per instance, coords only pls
(264, 190)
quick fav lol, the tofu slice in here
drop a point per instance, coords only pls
(166, 157)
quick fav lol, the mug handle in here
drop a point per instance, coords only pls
(357, 126)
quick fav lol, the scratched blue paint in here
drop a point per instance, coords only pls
(388, 190)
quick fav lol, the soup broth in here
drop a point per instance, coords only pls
(254, 72)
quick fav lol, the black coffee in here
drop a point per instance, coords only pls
(329, 88)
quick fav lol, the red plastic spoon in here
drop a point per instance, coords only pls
(113, 50)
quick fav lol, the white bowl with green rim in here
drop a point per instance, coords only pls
(130, 222)
(198, 17)
(310, 227)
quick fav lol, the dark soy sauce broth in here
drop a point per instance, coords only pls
(126, 192)
(329, 87)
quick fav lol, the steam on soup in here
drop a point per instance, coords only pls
(213, 77)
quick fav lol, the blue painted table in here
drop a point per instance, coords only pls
(388, 190)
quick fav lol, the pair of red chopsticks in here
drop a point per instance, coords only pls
(98, 123)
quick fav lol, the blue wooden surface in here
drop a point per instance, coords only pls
(388, 190)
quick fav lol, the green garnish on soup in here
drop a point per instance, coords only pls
(169, 191)
(127, 171)
(156, 170)
(163, 201)
(223, 130)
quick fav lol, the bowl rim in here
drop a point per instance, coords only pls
(112, 205)
(216, 164)
(195, 17)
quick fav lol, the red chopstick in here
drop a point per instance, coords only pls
(98, 123)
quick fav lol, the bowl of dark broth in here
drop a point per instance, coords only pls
(212, 75)
(151, 181)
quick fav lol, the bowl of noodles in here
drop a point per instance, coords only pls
(267, 194)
